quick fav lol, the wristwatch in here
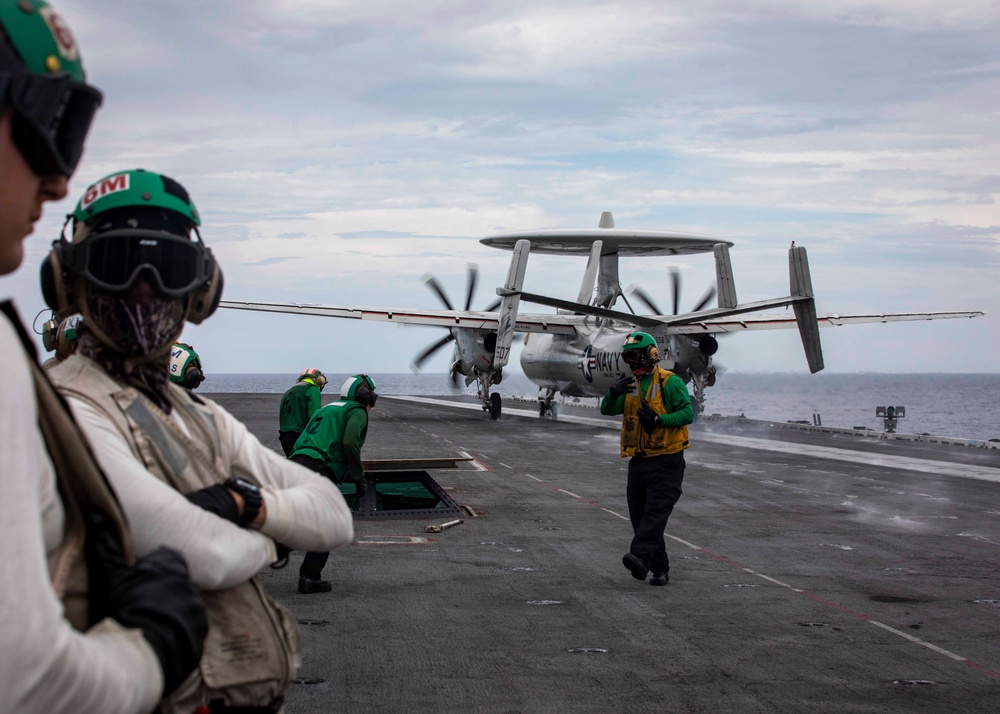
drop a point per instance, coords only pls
(252, 499)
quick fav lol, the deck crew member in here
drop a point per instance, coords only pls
(298, 405)
(184, 367)
(331, 445)
(654, 435)
(84, 627)
(188, 473)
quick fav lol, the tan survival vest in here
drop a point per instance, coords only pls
(81, 485)
(635, 440)
(252, 651)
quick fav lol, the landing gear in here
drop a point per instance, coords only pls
(701, 380)
(495, 406)
(545, 403)
(491, 402)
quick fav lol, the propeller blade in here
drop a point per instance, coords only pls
(493, 306)
(709, 294)
(644, 297)
(431, 282)
(675, 284)
(471, 289)
(419, 360)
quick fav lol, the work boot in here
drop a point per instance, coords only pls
(308, 586)
(636, 566)
(659, 579)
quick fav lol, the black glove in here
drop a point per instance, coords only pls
(217, 499)
(622, 386)
(648, 418)
(155, 595)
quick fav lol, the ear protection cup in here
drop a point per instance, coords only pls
(205, 301)
(193, 377)
(55, 283)
(50, 335)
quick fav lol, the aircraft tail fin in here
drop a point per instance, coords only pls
(590, 276)
(511, 298)
(800, 285)
(725, 284)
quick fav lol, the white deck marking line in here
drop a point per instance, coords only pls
(608, 510)
(475, 464)
(503, 464)
(909, 463)
(917, 640)
(751, 571)
(901, 462)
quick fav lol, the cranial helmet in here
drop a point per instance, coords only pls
(359, 388)
(640, 353)
(42, 80)
(126, 225)
(314, 376)
(185, 366)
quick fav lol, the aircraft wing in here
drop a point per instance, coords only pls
(551, 324)
(787, 320)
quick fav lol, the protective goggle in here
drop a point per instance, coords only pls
(634, 357)
(114, 260)
(52, 116)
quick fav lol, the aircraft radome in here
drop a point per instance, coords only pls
(576, 350)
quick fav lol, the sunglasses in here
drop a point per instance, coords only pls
(52, 116)
(114, 260)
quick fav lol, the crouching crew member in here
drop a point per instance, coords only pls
(654, 436)
(331, 445)
(188, 474)
(298, 405)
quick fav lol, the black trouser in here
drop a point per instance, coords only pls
(654, 485)
(288, 439)
(313, 564)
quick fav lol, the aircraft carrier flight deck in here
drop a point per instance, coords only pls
(809, 572)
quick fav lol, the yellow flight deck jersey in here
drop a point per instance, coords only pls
(667, 395)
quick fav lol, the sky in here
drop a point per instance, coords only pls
(339, 151)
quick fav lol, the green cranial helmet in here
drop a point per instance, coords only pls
(640, 353)
(43, 82)
(143, 191)
(638, 341)
(40, 38)
(359, 388)
(134, 222)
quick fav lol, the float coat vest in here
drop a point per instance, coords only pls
(82, 487)
(636, 441)
(252, 651)
(323, 437)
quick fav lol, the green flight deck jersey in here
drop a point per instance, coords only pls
(335, 435)
(298, 405)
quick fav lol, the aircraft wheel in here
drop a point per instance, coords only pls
(495, 405)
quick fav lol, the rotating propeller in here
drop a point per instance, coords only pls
(435, 287)
(675, 286)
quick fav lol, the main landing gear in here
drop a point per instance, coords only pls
(492, 404)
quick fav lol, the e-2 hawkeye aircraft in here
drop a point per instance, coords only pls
(577, 350)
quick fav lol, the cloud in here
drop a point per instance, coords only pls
(379, 140)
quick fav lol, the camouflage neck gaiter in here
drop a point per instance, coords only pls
(142, 332)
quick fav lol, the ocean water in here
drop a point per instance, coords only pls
(954, 405)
